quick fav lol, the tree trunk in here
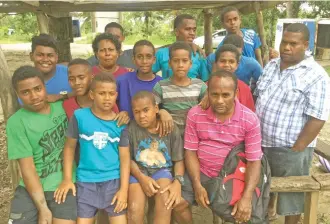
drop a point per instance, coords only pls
(93, 20)
(61, 30)
(9, 106)
(42, 22)
(292, 9)
(262, 35)
(208, 23)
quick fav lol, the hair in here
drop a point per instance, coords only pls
(114, 25)
(224, 74)
(144, 95)
(44, 40)
(105, 36)
(235, 40)
(299, 28)
(25, 72)
(225, 48)
(143, 43)
(179, 19)
(226, 10)
(103, 77)
(179, 45)
(79, 61)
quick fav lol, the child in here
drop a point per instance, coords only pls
(35, 137)
(154, 159)
(103, 171)
(179, 93)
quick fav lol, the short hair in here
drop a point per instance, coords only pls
(179, 19)
(114, 25)
(143, 95)
(225, 48)
(26, 72)
(180, 45)
(226, 10)
(103, 77)
(143, 43)
(235, 40)
(79, 61)
(105, 36)
(44, 40)
(299, 28)
(224, 74)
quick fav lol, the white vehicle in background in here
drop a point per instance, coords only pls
(217, 37)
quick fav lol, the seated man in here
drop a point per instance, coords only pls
(209, 137)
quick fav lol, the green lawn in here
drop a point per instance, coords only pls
(327, 68)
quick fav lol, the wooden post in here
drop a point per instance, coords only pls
(208, 31)
(261, 31)
(311, 205)
(42, 22)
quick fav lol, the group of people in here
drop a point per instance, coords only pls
(109, 134)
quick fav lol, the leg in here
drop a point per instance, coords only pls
(63, 221)
(182, 213)
(102, 217)
(136, 204)
(162, 214)
(85, 220)
(121, 219)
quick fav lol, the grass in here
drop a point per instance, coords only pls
(327, 68)
(12, 40)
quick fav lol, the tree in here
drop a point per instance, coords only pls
(320, 9)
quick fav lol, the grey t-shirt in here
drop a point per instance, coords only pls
(124, 60)
(150, 151)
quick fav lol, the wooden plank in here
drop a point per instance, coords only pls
(208, 24)
(294, 184)
(311, 205)
(322, 149)
(324, 181)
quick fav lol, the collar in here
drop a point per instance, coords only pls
(234, 117)
(306, 62)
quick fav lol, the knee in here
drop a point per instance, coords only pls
(135, 211)
(181, 207)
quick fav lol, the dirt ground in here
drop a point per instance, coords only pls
(201, 216)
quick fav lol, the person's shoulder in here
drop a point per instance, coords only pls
(196, 80)
(70, 102)
(17, 118)
(248, 116)
(82, 112)
(162, 51)
(158, 78)
(249, 31)
(127, 76)
(316, 67)
(133, 126)
(249, 60)
(61, 68)
(196, 111)
(242, 85)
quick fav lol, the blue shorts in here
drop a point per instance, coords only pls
(94, 196)
(162, 173)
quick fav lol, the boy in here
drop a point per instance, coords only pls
(102, 181)
(152, 162)
(179, 93)
(36, 135)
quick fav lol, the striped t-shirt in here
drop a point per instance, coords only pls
(213, 139)
(178, 100)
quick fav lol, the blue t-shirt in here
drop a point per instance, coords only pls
(98, 141)
(247, 68)
(197, 70)
(59, 82)
(128, 85)
(251, 42)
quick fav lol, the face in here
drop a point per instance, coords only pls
(186, 31)
(104, 96)
(222, 95)
(145, 113)
(144, 58)
(33, 94)
(293, 47)
(107, 54)
(180, 63)
(232, 22)
(44, 59)
(154, 146)
(80, 77)
(227, 61)
(116, 33)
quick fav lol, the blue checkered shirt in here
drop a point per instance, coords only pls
(287, 99)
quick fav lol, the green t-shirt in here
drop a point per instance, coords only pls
(41, 136)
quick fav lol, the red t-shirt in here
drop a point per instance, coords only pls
(120, 71)
(245, 96)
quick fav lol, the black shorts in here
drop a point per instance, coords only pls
(23, 210)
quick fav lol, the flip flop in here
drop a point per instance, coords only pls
(273, 217)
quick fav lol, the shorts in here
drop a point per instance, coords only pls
(23, 210)
(162, 173)
(284, 162)
(94, 196)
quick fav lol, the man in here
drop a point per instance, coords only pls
(185, 30)
(125, 58)
(209, 137)
(292, 104)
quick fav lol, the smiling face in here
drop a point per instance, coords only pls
(44, 59)
(104, 95)
(107, 54)
(80, 78)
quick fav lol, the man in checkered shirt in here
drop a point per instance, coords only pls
(292, 105)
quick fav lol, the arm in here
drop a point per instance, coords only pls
(258, 56)
(56, 97)
(166, 124)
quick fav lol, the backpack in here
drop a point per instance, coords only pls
(226, 189)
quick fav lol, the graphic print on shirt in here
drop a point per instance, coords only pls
(153, 153)
(52, 143)
(100, 139)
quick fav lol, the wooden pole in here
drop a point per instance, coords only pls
(261, 31)
(311, 205)
(208, 23)
(42, 22)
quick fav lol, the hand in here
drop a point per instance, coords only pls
(201, 196)
(273, 53)
(166, 124)
(174, 197)
(122, 118)
(121, 198)
(297, 148)
(204, 104)
(149, 185)
(242, 210)
(63, 189)
(45, 216)
(196, 49)
(54, 98)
